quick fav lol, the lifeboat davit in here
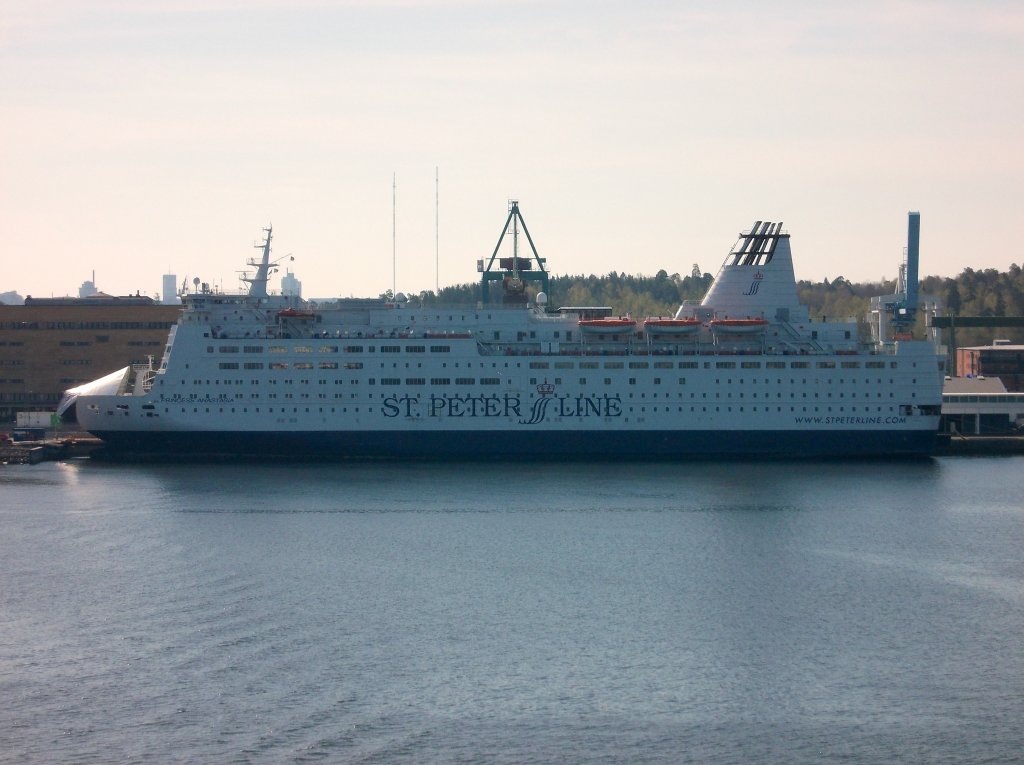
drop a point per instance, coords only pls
(738, 326)
(671, 326)
(607, 326)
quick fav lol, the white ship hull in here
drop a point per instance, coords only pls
(244, 376)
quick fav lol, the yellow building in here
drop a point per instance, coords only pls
(52, 344)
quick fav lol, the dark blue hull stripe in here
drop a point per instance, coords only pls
(517, 444)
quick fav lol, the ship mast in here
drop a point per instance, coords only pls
(258, 283)
(264, 266)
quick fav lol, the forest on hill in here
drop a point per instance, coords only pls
(972, 293)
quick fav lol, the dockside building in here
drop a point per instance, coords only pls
(51, 344)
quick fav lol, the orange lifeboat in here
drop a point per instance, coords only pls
(292, 313)
(607, 326)
(738, 326)
(671, 326)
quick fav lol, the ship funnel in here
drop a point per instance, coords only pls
(913, 255)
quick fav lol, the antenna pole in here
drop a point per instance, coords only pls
(394, 269)
(437, 239)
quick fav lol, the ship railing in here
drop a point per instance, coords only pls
(835, 320)
(141, 378)
(781, 348)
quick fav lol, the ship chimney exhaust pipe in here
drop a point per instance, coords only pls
(913, 255)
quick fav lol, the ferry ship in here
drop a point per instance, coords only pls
(745, 372)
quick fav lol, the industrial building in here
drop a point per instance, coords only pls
(980, 406)
(1001, 359)
(51, 344)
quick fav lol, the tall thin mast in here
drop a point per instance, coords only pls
(437, 239)
(258, 282)
(394, 266)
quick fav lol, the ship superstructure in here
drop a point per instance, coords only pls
(744, 372)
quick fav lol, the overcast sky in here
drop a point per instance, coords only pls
(140, 138)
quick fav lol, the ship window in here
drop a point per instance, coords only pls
(228, 365)
(638, 365)
(415, 349)
(725, 365)
(588, 365)
(826, 365)
(687, 364)
(328, 349)
(750, 365)
(252, 349)
(440, 348)
(563, 365)
(303, 365)
(490, 381)
(415, 381)
(607, 381)
(539, 365)
(465, 381)
(390, 348)
(613, 365)
(328, 365)
(390, 381)
(632, 381)
(303, 349)
(662, 364)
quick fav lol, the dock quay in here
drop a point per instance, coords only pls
(956, 445)
(48, 449)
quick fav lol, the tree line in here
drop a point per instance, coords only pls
(985, 292)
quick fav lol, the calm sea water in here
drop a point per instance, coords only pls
(723, 612)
